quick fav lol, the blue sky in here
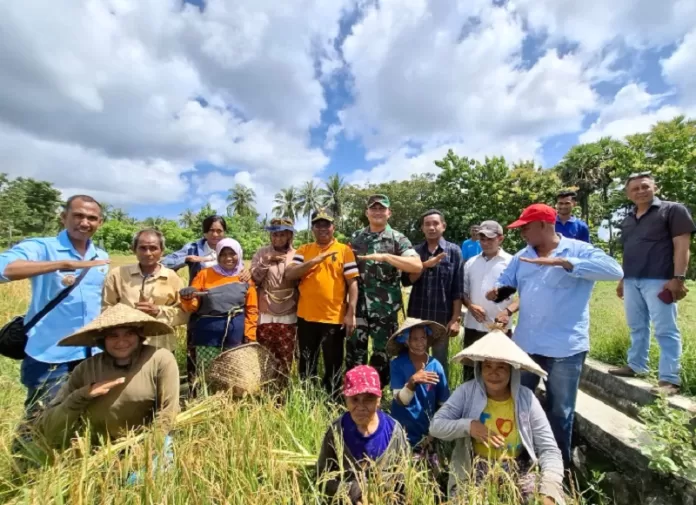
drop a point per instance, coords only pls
(156, 106)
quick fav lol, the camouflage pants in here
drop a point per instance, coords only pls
(380, 326)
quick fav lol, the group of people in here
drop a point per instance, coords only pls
(104, 352)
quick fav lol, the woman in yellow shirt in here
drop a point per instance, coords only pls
(224, 309)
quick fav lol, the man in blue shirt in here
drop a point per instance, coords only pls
(554, 276)
(471, 246)
(566, 223)
(52, 264)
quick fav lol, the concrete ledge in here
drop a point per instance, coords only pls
(625, 394)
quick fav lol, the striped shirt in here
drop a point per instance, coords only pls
(437, 288)
(323, 289)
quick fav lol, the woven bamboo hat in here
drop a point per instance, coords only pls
(397, 342)
(244, 369)
(114, 317)
(497, 346)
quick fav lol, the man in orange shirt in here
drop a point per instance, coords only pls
(327, 270)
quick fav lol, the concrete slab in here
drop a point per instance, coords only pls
(625, 394)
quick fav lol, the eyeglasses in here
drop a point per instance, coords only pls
(639, 175)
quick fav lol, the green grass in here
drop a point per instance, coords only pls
(230, 455)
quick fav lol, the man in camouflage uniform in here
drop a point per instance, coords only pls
(382, 253)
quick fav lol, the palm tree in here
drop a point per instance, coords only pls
(187, 219)
(309, 200)
(242, 200)
(287, 203)
(333, 195)
(154, 222)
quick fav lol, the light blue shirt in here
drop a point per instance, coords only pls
(554, 318)
(470, 248)
(79, 308)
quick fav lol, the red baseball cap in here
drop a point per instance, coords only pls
(362, 379)
(535, 212)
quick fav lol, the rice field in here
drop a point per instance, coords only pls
(251, 451)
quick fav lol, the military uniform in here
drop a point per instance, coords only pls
(379, 297)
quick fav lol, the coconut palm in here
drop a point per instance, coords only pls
(242, 200)
(309, 200)
(333, 195)
(287, 203)
(187, 219)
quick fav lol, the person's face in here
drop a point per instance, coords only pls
(378, 214)
(121, 343)
(641, 190)
(323, 231)
(417, 342)
(474, 232)
(490, 246)
(82, 219)
(433, 228)
(215, 234)
(534, 233)
(148, 250)
(496, 376)
(564, 205)
(228, 259)
(362, 408)
(281, 239)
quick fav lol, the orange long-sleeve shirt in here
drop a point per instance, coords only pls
(208, 279)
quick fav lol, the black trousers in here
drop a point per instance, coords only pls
(329, 339)
(471, 336)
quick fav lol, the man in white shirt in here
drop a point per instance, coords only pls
(480, 275)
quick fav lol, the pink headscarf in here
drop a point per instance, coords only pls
(237, 248)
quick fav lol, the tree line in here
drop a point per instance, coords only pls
(468, 191)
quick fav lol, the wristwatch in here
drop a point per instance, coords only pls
(680, 277)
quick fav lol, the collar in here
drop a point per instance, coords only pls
(564, 245)
(655, 203)
(324, 248)
(442, 244)
(571, 220)
(498, 255)
(135, 270)
(66, 245)
(388, 229)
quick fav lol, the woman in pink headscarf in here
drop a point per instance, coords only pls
(225, 308)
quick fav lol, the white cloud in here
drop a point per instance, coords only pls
(678, 70)
(633, 110)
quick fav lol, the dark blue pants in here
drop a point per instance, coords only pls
(561, 394)
(43, 381)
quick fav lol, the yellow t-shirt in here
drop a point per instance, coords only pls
(499, 417)
(323, 288)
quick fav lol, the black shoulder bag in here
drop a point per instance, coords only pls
(14, 335)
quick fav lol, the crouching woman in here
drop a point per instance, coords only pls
(362, 445)
(126, 387)
(498, 423)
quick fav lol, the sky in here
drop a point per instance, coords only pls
(156, 106)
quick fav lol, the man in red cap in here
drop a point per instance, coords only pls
(554, 276)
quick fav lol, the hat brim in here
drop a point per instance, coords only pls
(328, 220)
(518, 224)
(274, 229)
(439, 332)
(489, 233)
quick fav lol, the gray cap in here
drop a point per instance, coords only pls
(491, 229)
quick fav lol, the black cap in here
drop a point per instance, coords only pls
(322, 214)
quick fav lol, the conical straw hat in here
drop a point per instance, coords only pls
(438, 332)
(113, 317)
(497, 346)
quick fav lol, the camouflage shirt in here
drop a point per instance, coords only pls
(380, 280)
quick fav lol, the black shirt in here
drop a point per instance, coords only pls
(647, 242)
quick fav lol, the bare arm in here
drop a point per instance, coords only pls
(296, 271)
(352, 294)
(23, 269)
(681, 253)
(409, 264)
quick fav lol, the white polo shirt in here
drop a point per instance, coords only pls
(480, 276)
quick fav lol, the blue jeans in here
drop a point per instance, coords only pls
(561, 393)
(43, 381)
(643, 306)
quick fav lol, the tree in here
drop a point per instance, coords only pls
(28, 208)
(287, 203)
(333, 195)
(309, 199)
(187, 219)
(242, 200)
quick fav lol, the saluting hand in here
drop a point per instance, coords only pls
(78, 265)
(434, 261)
(374, 257)
(323, 256)
(103, 387)
(550, 261)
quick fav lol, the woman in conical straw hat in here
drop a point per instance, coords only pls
(418, 382)
(495, 419)
(125, 387)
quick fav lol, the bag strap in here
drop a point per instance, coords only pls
(61, 296)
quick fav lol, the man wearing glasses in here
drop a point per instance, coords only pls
(656, 236)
